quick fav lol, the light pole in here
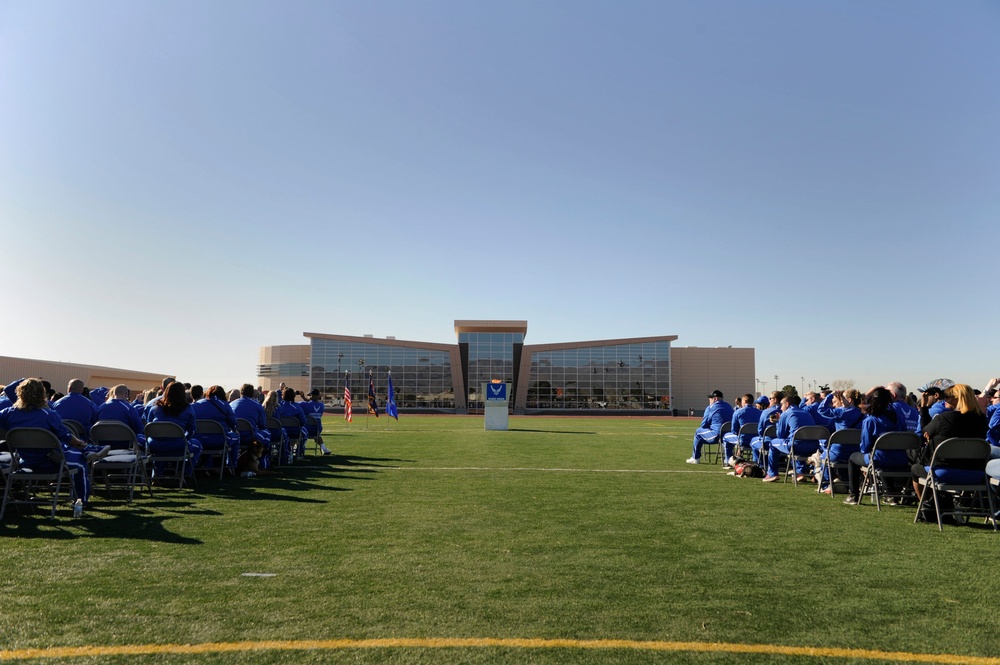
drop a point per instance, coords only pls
(775, 383)
(758, 386)
(803, 383)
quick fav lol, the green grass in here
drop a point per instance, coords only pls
(426, 530)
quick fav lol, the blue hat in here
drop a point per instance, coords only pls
(763, 399)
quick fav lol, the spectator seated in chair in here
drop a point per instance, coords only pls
(718, 412)
(793, 416)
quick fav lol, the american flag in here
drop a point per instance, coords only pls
(347, 398)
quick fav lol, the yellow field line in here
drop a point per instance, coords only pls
(478, 643)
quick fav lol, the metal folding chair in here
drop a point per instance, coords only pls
(828, 469)
(875, 477)
(963, 483)
(213, 431)
(126, 464)
(177, 462)
(32, 484)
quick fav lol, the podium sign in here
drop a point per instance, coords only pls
(495, 401)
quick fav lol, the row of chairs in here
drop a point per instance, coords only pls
(976, 491)
(126, 467)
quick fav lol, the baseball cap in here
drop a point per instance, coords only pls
(763, 399)
(716, 393)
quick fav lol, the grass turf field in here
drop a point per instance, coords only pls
(581, 529)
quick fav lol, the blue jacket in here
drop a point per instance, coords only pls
(871, 429)
(9, 395)
(765, 418)
(717, 415)
(993, 433)
(844, 418)
(818, 417)
(791, 419)
(250, 409)
(185, 418)
(746, 415)
(909, 416)
(123, 412)
(75, 406)
(314, 413)
(11, 418)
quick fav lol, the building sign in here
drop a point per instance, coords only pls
(496, 392)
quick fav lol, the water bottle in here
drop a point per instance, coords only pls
(78, 508)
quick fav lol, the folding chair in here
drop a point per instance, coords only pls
(875, 477)
(213, 431)
(76, 427)
(828, 469)
(4, 453)
(294, 429)
(943, 476)
(33, 483)
(765, 444)
(273, 425)
(749, 429)
(126, 464)
(804, 433)
(707, 448)
(315, 438)
(164, 429)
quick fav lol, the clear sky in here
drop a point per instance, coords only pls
(184, 182)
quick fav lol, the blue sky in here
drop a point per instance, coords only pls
(184, 182)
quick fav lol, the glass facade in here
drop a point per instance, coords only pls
(421, 378)
(487, 356)
(624, 376)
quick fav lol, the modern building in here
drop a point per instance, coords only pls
(642, 375)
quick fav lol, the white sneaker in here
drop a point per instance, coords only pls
(692, 460)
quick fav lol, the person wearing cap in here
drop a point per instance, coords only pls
(717, 414)
(747, 414)
(931, 404)
(793, 416)
(313, 408)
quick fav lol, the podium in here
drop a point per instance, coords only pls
(495, 399)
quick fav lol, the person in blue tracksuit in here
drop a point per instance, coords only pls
(173, 407)
(811, 404)
(99, 395)
(718, 413)
(313, 410)
(793, 416)
(214, 406)
(747, 414)
(248, 408)
(840, 408)
(287, 408)
(118, 408)
(31, 409)
(9, 394)
(769, 416)
(74, 406)
(881, 418)
(910, 416)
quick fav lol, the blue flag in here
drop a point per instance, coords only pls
(390, 405)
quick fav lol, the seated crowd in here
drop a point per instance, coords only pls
(32, 402)
(941, 413)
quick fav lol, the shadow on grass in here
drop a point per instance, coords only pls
(356, 460)
(132, 525)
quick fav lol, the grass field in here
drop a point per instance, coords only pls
(571, 531)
